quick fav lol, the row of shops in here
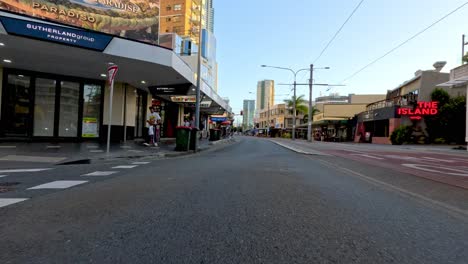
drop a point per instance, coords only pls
(53, 84)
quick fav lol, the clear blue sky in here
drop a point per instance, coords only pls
(292, 34)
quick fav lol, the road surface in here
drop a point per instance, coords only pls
(252, 202)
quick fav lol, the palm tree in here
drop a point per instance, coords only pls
(301, 104)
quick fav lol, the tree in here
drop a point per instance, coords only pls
(301, 104)
(449, 123)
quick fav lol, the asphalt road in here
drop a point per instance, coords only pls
(253, 202)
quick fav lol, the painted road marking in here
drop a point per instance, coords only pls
(92, 147)
(58, 185)
(438, 169)
(368, 156)
(135, 151)
(24, 170)
(125, 167)
(7, 147)
(9, 201)
(459, 212)
(141, 163)
(40, 159)
(438, 160)
(100, 173)
(96, 151)
(53, 147)
(1, 176)
(125, 147)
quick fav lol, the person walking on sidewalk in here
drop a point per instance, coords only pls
(152, 121)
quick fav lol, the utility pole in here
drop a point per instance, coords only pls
(197, 101)
(310, 118)
(293, 137)
(463, 47)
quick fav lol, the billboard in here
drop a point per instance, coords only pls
(133, 19)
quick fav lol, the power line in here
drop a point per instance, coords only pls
(338, 32)
(404, 42)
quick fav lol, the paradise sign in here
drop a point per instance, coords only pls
(133, 19)
(422, 109)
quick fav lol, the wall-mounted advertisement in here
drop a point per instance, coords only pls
(133, 19)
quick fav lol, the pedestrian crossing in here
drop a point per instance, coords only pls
(63, 184)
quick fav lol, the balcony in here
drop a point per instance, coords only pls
(404, 100)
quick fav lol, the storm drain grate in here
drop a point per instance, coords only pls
(7, 186)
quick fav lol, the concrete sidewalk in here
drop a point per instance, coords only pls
(60, 153)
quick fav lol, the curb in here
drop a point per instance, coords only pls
(316, 153)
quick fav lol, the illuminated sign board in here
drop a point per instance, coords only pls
(422, 109)
(133, 19)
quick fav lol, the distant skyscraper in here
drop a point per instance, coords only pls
(210, 16)
(265, 94)
(248, 114)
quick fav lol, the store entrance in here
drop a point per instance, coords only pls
(16, 112)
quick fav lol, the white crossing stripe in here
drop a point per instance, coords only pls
(125, 147)
(141, 163)
(32, 158)
(125, 167)
(96, 151)
(7, 147)
(135, 151)
(100, 173)
(9, 201)
(92, 147)
(1, 176)
(367, 156)
(53, 147)
(24, 170)
(58, 185)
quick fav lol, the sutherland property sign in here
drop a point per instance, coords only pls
(134, 19)
(422, 109)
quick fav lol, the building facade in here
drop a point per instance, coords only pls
(61, 92)
(265, 94)
(381, 118)
(248, 114)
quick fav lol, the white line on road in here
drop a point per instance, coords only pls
(7, 147)
(438, 169)
(53, 147)
(57, 185)
(438, 160)
(368, 156)
(313, 152)
(24, 170)
(9, 201)
(96, 151)
(125, 167)
(40, 159)
(402, 191)
(141, 163)
(1, 176)
(100, 173)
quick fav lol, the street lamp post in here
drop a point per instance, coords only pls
(311, 69)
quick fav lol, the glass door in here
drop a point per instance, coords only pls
(92, 94)
(44, 107)
(16, 114)
(69, 106)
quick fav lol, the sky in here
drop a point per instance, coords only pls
(292, 34)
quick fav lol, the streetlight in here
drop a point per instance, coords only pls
(311, 69)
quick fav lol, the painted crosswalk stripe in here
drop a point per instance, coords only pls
(141, 163)
(100, 173)
(24, 170)
(58, 185)
(7, 147)
(1, 176)
(40, 159)
(96, 151)
(9, 201)
(125, 167)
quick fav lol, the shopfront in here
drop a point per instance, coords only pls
(37, 105)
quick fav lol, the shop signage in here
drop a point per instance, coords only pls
(218, 119)
(176, 90)
(135, 19)
(183, 99)
(422, 109)
(64, 35)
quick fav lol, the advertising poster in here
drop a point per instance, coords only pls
(90, 128)
(132, 19)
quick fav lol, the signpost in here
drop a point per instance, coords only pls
(111, 72)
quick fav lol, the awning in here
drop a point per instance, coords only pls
(456, 82)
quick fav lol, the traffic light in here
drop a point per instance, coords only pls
(242, 112)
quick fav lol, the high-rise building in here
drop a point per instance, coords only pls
(183, 17)
(248, 114)
(265, 94)
(210, 16)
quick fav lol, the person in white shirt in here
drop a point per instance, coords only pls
(153, 119)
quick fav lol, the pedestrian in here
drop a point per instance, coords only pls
(186, 123)
(153, 119)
